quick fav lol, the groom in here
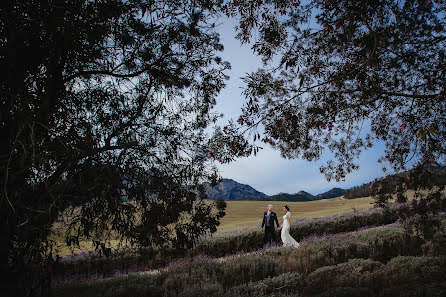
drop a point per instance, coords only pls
(269, 217)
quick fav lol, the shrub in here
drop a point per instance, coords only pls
(249, 268)
(379, 244)
(436, 246)
(90, 265)
(401, 276)
(134, 285)
(206, 290)
(353, 275)
(404, 270)
(347, 292)
(187, 272)
(286, 283)
(235, 242)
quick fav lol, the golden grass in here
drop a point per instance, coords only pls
(240, 214)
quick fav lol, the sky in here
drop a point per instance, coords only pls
(268, 172)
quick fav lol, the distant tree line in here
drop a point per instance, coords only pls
(358, 191)
(302, 196)
(389, 184)
(288, 197)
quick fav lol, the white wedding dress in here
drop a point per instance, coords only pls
(287, 240)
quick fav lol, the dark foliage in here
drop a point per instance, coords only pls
(342, 76)
(103, 111)
(390, 182)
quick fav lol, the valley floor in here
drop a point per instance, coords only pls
(248, 214)
(242, 214)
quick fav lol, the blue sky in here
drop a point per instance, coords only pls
(268, 172)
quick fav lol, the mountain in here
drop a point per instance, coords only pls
(306, 195)
(333, 193)
(229, 189)
(298, 197)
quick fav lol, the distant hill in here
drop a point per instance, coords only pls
(289, 197)
(304, 196)
(298, 197)
(229, 190)
(333, 193)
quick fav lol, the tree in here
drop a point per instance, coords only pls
(101, 100)
(341, 76)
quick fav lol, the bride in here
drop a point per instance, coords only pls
(285, 233)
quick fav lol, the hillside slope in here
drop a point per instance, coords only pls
(231, 190)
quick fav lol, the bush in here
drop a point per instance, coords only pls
(436, 246)
(249, 268)
(187, 272)
(401, 276)
(236, 242)
(354, 274)
(380, 244)
(119, 286)
(347, 292)
(401, 271)
(92, 265)
(286, 283)
(206, 290)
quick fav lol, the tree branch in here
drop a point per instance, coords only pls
(106, 72)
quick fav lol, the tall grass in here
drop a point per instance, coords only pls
(88, 265)
(383, 261)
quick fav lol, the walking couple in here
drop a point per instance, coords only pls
(269, 218)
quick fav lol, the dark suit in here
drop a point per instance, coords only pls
(268, 223)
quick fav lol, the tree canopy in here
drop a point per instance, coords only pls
(103, 111)
(105, 104)
(341, 76)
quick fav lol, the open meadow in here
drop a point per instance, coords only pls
(242, 214)
(247, 214)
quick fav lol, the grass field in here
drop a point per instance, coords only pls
(242, 214)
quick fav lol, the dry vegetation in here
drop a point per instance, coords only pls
(242, 214)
